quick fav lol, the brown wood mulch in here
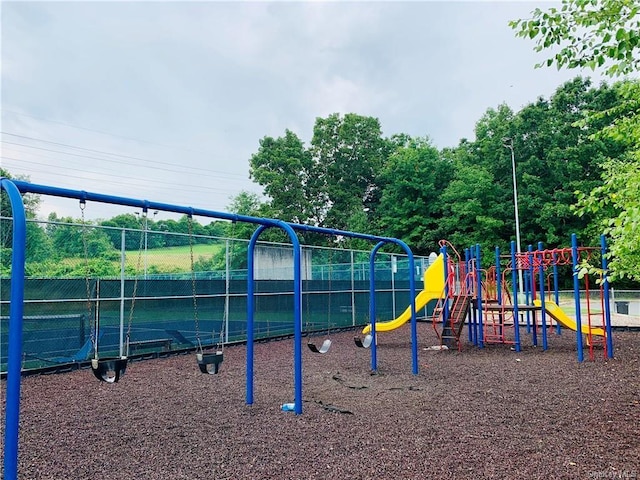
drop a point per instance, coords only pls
(490, 413)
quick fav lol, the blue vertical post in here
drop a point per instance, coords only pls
(414, 321)
(479, 287)
(543, 313)
(514, 280)
(16, 309)
(576, 295)
(556, 293)
(467, 262)
(607, 306)
(251, 313)
(372, 306)
(532, 280)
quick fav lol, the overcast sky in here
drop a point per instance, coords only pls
(167, 101)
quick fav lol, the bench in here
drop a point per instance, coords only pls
(165, 343)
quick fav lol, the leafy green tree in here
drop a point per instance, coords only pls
(70, 238)
(286, 171)
(133, 226)
(332, 183)
(349, 153)
(491, 215)
(470, 214)
(603, 34)
(248, 204)
(616, 203)
(553, 158)
(587, 33)
(31, 203)
(39, 245)
(556, 159)
(413, 181)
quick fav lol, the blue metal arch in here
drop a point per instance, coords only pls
(15, 187)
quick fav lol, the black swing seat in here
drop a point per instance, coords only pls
(210, 362)
(109, 370)
(366, 343)
(324, 348)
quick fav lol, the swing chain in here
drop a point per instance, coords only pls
(330, 290)
(93, 334)
(193, 284)
(229, 265)
(135, 281)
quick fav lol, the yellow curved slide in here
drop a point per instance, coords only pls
(559, 316)
(433, 289)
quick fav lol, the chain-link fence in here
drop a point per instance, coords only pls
(96, 287)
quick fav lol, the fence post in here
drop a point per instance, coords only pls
(123, 256)
(227, 277)
(353, 292)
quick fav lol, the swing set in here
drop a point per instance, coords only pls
(110, 370)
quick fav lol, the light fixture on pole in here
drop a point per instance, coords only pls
(507, 142)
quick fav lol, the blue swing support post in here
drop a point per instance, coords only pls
(14, 189)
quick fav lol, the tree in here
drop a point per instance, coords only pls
(603, 34)
(587, 33)
(286, 171)
(330, 184)
(556, 159)
(133, 226)
(470, 213)
(31, 203)
(412, 183)
(616, 203)
(70, 239)
(349, 153)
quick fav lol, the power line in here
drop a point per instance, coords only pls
(101, 132)
(182, 170)
(152, 162)
(186, 189)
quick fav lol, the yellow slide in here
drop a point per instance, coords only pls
(559, 316)
(433, 289)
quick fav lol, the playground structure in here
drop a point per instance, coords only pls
(498, 318)
(482, 298)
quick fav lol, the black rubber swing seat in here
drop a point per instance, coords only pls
(210, 362)
(109, 369)
(324, 348)
(366, 343)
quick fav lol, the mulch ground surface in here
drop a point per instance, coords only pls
(478, 413)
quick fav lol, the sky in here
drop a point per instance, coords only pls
(167, 101)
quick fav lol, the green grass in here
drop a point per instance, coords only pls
(173, 258)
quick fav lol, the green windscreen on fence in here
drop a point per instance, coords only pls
(153, 294)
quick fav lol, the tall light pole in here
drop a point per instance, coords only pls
(508, 143)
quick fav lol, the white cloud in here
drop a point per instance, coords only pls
(195, 85)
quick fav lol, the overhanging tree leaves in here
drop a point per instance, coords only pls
(603, 33)
(587, 33)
